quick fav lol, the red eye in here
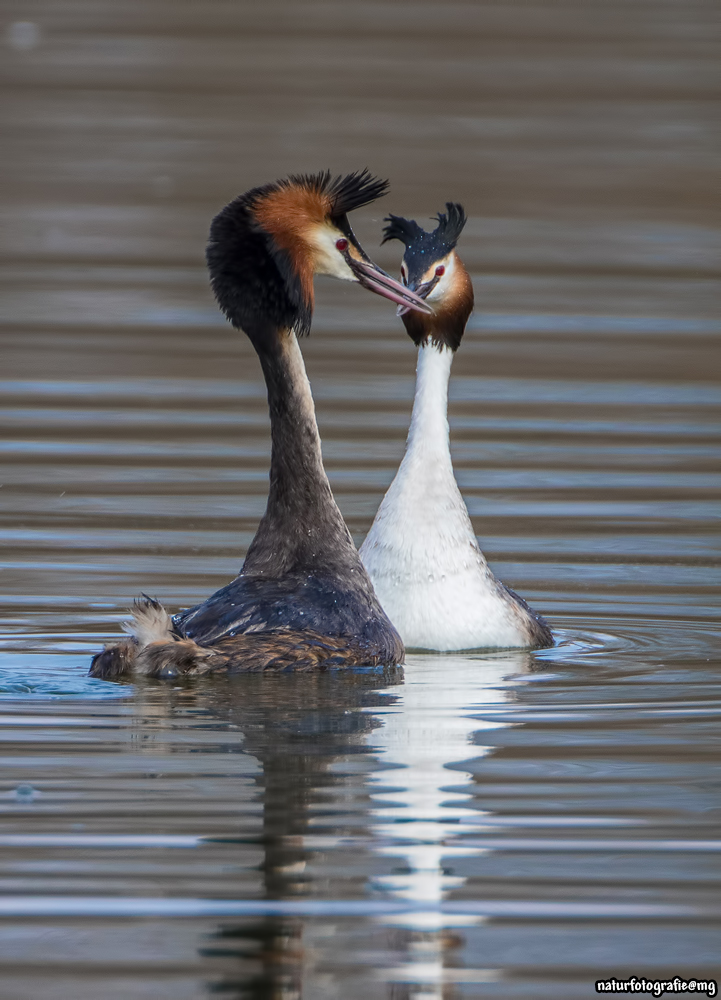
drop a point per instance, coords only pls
(341, 245)
(440, 270)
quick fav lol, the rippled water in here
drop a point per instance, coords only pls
(513, 825)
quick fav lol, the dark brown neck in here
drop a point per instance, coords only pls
(302, 528)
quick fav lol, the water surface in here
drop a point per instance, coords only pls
(501, 825)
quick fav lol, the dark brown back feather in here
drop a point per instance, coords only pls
(281, 650)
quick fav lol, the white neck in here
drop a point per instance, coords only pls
(424, 499)
(428, 434)
(421, 552)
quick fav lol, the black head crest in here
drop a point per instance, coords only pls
(354, 191)
(344, 193)
(451, 226)
(434, 245)
(405, 230)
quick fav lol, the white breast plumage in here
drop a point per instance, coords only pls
(421, 552)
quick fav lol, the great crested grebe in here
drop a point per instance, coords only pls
(303, 598)
(421, 552)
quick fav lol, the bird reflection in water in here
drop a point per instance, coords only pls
(421, 812)
(353, 766)
(309, 734)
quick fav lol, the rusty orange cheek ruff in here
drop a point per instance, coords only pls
(288, 215)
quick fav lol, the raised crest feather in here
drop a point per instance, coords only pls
(355, 190)
(405, 230)
(343, 193)
(441, 240)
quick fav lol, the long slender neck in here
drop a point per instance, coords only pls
(428, 433)
(302, 528)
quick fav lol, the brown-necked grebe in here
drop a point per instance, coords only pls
(303, 598)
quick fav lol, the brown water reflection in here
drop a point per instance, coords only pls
(497, 826)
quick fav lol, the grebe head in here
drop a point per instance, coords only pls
(266, 245)
(432, 269)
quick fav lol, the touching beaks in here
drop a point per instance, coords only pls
(422, 290)
(376, 280)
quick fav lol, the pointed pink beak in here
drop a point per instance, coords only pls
(370, 276)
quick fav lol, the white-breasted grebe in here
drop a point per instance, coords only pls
(303, 598)
(421, 552)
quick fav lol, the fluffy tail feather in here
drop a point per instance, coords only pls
(154, 649)
(150, 623)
